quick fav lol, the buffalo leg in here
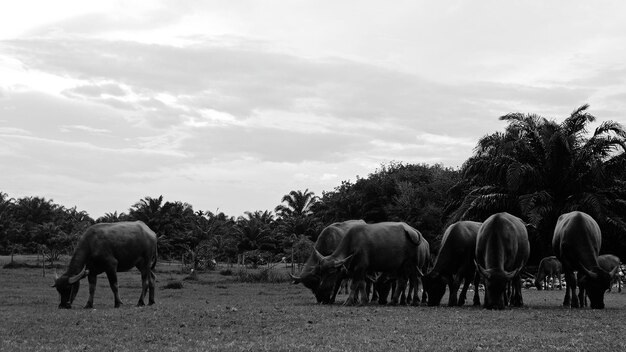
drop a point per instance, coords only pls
(517, 299)
(415, 300)
(151, 286)
(476, 301)
(403, 294)
(453, 285)
(92, 279)
(400, 287)
(582, 295)
(336, 288)
(362, 288)
(112, 276)
(351, 300)
(145, 279)
(570, 292)
(463, 295)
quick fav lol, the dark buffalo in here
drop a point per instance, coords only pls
(502, 249)
(609, 262)
(110, 248)
(549, 268)
(387, 282)
(576, 242)
(454, 263)
(326, 243)
(388, 247)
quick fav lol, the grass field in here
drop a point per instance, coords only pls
(217, 313)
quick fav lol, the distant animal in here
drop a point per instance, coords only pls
(609, 262)
(388, 247)
(550, 268)
(387, 282)
(454, 263)
(502, 249)
(110, 248)
(576, 243)
(326, 243)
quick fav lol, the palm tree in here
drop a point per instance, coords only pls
(148, 210)
(298, 204)
(254, 230)
(539, 169)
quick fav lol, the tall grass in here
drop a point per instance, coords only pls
(266, 275)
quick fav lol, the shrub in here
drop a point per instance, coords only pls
(226, 272)
(267, 275)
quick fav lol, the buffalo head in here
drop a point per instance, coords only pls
(435, 287)
(331, 272)
(68, 286)
(495, 286)
(596, 282)
(312, 281)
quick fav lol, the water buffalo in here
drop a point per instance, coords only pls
(388, 282)
(388, 247)
(326, 243)
(609, 262)
(455, 262)
(110, 248)
(502, 249)
(549, 268)
(576, 243)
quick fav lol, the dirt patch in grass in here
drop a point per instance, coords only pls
(218, 313)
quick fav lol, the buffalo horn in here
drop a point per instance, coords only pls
(511, 274)
(588, 272)
(419, 272)
(296, 279)
(482, 270)
(318, 254)
(343, 261)
(78, 276)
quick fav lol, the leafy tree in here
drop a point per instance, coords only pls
(539, 169)
(415, 194)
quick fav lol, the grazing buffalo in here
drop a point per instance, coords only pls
(387, 282)
(110, 248)
(576, 243)
(609, 262)
(389, 247)
(549, 268)
(502, 249)
(326, 243)
(455, 262)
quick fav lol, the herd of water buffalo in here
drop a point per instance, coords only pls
(387, 257)
(494, 252)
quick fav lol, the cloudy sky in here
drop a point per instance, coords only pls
(231, 104)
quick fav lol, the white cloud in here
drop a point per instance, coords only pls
(227, 104)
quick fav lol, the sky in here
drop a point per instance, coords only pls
(229, 105)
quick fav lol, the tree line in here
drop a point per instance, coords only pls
(535, 169)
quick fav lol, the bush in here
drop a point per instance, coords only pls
(226, 272)
(267, 275)
(18, 265)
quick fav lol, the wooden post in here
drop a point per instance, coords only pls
(43, 262)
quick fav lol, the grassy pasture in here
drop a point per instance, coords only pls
(217, 313)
